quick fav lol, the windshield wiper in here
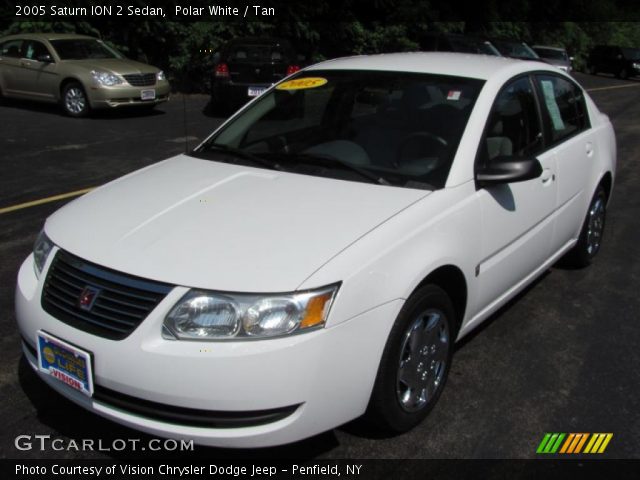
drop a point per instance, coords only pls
(323, 160)
(238, 153)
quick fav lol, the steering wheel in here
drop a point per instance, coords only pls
(436, 145)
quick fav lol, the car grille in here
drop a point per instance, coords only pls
(141, 79)
(121, 302)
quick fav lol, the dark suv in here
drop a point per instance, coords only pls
(623, 62)
(245, 67)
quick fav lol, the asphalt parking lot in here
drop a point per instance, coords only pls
(562, 357)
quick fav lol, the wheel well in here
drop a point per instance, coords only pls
(66, 82)
(607, 183)
(451, 279)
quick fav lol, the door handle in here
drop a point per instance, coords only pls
(547, 176)
(589, 149)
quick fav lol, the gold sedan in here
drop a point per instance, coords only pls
(79, 72)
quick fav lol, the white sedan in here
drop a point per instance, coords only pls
(316, 258)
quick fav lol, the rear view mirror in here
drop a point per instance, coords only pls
(505, 169)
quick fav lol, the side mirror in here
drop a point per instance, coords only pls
(506, 169)
(45, 58)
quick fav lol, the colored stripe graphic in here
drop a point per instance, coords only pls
(573, 443)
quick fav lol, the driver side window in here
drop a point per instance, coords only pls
(514, 127)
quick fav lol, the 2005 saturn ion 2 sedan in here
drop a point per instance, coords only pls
(316, 258)
(79, 72)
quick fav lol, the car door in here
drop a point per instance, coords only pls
(517, 218)
(570, 138)
(39, 72)
(10, 69)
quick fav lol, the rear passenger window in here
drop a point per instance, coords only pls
(12, 48)
(564, 107)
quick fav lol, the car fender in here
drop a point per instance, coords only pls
(390, 262)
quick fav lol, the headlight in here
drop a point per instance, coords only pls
(41, 250)
(160, 76)
(636, 65)
(105, 78)
(206, 315)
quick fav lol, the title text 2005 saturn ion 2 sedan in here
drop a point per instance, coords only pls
(316, 258)
(79, 72)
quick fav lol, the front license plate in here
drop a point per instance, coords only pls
(64, 362)
(148, 94)
(255, 91)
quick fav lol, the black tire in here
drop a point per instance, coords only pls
(591, 235)
(394, 407)
(75, 102)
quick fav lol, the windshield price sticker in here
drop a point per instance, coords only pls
(302, 83)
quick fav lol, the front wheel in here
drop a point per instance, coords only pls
(74, 100)
(415, 362)
(590, 239)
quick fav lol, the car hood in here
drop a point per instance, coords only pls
(114, 65)
(206, 224)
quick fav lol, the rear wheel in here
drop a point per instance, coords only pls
(74, 100)
(590, 239)
(415, 362)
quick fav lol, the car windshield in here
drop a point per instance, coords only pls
(631, 53)
(83, 49)
(552, 53)
(391, 128)
(514, 49)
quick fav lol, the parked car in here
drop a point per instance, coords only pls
(514, 49)
(316, 257)
(246, 67)
(623, 62)
(554, 56)
(79, 72)
(449, 42)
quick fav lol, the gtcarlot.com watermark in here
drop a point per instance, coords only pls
(47, 443)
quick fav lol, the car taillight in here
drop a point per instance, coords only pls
(222, 70)
(292, 69)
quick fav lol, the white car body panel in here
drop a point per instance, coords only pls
(252, 243)
(194, 223)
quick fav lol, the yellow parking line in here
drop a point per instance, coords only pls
(611, 87)
(41, 201)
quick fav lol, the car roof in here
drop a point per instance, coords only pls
(466, 65)
(259, 41)
(558, 49)
(46, 36)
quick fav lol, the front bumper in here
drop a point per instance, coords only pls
(310, 382)
(127, 95)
